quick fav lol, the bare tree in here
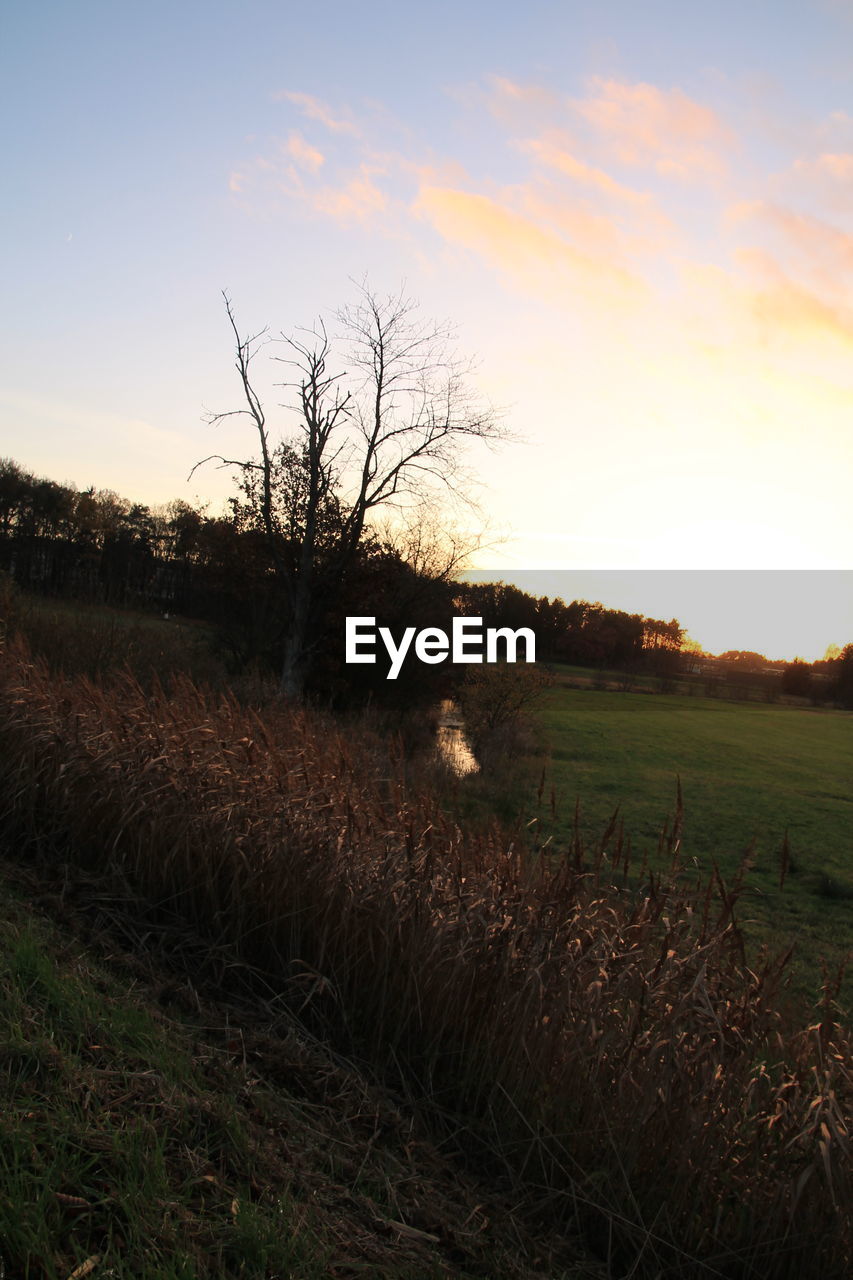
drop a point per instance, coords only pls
(431, 543)
(380, 428)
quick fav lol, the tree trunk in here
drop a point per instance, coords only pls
(293, 669)
(294, 659)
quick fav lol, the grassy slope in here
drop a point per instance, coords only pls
(748, 771)
(156, 1125)
(94, 639)
(630, 1049)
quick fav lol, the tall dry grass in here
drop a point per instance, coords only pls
(596, 1029)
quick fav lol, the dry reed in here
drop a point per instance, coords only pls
(598, 1029)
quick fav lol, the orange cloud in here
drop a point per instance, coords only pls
(815, 238)
(593, 233)
(642, 125)
(784, 307)
(812, 247)
(555, 157)
(306, 156)
(315, 109)
(839, 167)
(823, 179)
(356, 201)
(535, 255)
(797, 311)
(830, 176)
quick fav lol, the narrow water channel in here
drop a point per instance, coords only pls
(450, 740)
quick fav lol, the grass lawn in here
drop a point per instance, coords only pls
(749, 771)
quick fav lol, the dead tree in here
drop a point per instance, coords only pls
(381, 427)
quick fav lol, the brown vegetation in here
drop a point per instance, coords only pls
(162, 1113)
(604, 1040)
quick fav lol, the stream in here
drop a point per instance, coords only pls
(451, 741)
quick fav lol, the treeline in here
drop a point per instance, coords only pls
(95, 546)
(586, 634)
(829, 680)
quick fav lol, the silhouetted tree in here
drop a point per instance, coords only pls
(380, 431)
(843, 684)
(797, 678)
(744, 659)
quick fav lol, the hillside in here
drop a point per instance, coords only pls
(164, 1115)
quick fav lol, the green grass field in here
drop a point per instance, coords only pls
(749, 772)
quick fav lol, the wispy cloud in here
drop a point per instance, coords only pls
(578, 207)
(512, 103)
(839, 167)
(340, 177)
(814, 250)
(306, 156)
(642, 125)
(827, 177)
(786, 308)
(549, 153)
(357, 200)
(315, 109)
(532, 254)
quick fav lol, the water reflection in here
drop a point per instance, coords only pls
(451, 741)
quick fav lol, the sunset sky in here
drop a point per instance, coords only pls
(639, 215)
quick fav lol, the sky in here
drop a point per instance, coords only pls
(639, 217)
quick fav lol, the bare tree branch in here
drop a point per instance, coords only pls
(380, 413)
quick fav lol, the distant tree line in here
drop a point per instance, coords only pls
(93, 545)
(97, 547)
(830, 679)
(583, 633)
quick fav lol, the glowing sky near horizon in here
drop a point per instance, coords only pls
(641, 218)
